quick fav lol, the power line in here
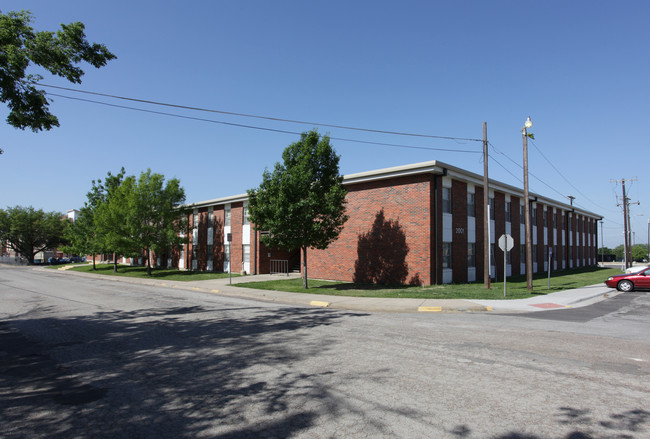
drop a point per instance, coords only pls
(529, 173)
(277, 119)
(564, 178)
(258, 127)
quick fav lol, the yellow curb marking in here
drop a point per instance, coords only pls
(164, 285)
(214, 291)
(196, 288)
(488, 308)
(319, 303)
(429, 308)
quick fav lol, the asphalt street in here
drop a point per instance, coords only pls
(91, 357)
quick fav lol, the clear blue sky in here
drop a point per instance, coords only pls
(580, 69)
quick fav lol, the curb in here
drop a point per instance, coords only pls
(349, 303)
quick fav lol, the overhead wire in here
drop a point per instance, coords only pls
(275, 130)
(529, 173)
(277, 119)
(564, 178)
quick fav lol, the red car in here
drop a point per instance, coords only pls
(630, 281)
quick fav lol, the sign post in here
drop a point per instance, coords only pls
(550, 257)
(229, 239)
(506, 243)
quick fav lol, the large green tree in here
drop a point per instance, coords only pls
(302, 202)
(153, 213)
(29, 231)
(59, 53)
(81, 236)
(140, 215)
(109, 210)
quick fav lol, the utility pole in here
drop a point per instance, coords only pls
(486, 210)
(626, 222)
(571, 198)
(529, 244)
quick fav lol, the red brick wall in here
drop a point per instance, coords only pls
(405, 203)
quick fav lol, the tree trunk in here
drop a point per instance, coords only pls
(114, 263)
(148, 263)
(304, 267)
(94, 266)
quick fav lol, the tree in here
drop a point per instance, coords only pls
(638, 252)
(153, 213)
(139, 215)
(29, 231)
(59, 53)
(81, 235)
(302, 202)
(108, 213)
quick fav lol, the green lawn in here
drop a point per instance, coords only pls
(516, 287)
(158, 273)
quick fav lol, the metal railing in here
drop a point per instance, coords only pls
(279, 266)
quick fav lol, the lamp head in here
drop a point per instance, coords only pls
(528, 123)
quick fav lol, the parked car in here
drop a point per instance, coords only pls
(636, 268)
(630, 281)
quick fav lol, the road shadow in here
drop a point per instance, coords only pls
(582, 424)
(180, 372)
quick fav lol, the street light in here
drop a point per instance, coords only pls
(648, 259)
(529, 246)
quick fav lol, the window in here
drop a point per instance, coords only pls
(246, 252)
(545, 218)
(508, 212)
(210, 251)
(226, 254)
(446, 255)
(534, 215)
(522, 214)
(227, 212)
(534, 253)
(492, 208)
(246, 220)
(471, 255)
(446, 200)
(522, 252)
(471, 205)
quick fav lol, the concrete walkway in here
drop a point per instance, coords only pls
(565, 299)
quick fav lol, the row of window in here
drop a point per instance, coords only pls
(471, 254)
(471, 211)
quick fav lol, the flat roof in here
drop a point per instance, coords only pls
(433, 167)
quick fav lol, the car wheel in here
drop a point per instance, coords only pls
(625, 286)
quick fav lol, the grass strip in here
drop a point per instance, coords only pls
(156, 273)
(516, 287)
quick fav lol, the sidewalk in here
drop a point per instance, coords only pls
(564, 299)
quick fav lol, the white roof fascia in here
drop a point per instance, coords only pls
(432, 167)
(219, 201)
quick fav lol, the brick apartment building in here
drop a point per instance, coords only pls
(417, 224)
